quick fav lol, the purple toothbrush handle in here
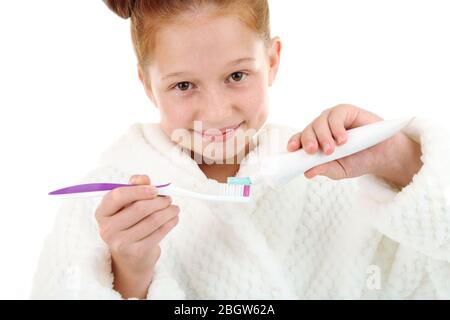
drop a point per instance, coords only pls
(91, 187)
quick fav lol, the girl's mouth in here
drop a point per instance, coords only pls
(226, 133)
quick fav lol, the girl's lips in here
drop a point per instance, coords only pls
(227, 133)
(223, 130)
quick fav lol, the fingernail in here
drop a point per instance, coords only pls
(292, 144)
(310, 146)
(326, 148)
(135, 179)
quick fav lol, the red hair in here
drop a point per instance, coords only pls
(148, 15)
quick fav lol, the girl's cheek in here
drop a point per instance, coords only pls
(176, 125)
(177, 112)
(255, 100)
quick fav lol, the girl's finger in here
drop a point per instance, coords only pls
(139, 179)
(152, 223)
(311, 173)
(121, 197)
(323, 133)
(133, 178)
(332, 170)
(308, 140)
(138, 211)
(294, 142)
(336, 121)
(154, 238)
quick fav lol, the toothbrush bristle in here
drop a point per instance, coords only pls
(235, 190)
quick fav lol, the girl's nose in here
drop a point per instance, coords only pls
(216, 106)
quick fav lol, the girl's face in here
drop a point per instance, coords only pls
(209, 78)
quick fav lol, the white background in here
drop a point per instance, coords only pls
(69, 88)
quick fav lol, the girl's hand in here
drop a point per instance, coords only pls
(396, 159)
(132, 221)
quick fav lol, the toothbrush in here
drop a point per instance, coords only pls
(279, 169)
(225, 192)
(275, 170)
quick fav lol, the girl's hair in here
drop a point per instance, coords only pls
(148, 15)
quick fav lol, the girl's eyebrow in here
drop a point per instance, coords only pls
(174, 74)
(240, 60)
(232, 63)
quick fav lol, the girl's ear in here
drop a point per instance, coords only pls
(147, 88)
(274, 58)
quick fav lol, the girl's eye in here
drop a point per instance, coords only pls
(183, 86)
(238, 76)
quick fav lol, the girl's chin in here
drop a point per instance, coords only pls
(220, 153)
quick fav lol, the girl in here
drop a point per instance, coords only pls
(207, 66)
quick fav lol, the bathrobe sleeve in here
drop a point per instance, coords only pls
(418, 215)
(75, 263)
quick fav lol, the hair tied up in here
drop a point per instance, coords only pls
(123, 8)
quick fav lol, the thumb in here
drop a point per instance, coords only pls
(138, 179)
(332, 170)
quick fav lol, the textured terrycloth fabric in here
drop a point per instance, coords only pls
(355, 238)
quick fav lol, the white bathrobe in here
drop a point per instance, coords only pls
(310, 239)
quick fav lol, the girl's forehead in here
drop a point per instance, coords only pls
(218, 33)
(218, 39)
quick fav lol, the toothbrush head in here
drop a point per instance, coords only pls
(235, 190)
